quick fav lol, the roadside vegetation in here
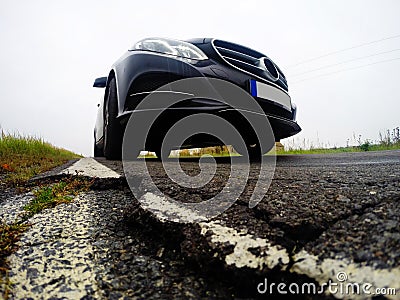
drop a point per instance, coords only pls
(20, 159)
(23, 157)
(389, 140)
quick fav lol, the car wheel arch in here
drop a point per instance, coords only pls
(112, 130)
(111, 75)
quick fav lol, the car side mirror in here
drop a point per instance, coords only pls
(100, 82)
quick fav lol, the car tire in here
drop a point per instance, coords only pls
(113, 131)
(162, 155)
(253, 152)
(97, 151)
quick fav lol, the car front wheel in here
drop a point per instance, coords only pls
(252, 151)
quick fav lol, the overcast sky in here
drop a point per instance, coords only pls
(51, 51)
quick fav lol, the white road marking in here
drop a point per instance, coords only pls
(88, 166)
(273, 255)
(241, 256)
(11, 209)
(327, 269)
(305, 264)
(55, 258)
(166, 210)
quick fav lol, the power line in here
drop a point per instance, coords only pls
(345, 49)
(348, 69)
(343, 62)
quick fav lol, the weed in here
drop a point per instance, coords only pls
(9, 235)
(366, 146)
(60, 192)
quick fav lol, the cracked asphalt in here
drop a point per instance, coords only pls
(323, 214)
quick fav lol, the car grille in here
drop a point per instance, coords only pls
(250, 61)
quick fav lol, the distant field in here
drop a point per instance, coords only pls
(371, 147)
(389, 140)
(292, 151)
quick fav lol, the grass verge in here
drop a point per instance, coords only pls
(24, 157)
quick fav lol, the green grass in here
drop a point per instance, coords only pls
(52, 195)
(317, 150)
(47, 197)
(24, 157)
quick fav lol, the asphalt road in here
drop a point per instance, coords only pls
(322, 215)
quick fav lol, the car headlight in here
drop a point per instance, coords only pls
(171, 47)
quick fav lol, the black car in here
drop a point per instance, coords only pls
(154, 62)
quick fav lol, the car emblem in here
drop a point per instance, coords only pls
(269, 67)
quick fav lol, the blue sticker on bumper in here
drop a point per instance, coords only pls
(253, 87)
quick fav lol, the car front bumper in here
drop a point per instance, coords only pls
(144, 72)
